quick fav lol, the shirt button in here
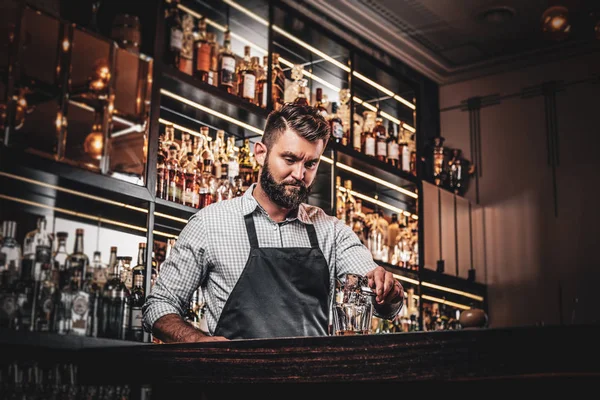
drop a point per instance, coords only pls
(274, 227)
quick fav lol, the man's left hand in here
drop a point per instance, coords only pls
(385, 286)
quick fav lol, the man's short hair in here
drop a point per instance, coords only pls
(305, 121)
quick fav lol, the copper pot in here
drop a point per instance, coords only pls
(473, 318)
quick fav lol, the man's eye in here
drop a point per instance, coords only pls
(311, 164)
(289, 160)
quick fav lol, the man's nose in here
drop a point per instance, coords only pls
(298, 172)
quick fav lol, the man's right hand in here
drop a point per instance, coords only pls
(171, 328)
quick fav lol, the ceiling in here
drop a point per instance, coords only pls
(451, 40)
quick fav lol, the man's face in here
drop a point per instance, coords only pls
(289, 169)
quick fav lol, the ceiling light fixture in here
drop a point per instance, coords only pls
(555, 22)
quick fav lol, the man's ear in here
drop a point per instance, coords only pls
(260, 153)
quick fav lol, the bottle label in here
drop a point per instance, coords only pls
(356, 139)
(203, 57)
(227, 70)
(176, 39)
(393, 150)
(79, 313)
(8, 306)
(405, 159)
(337, 130)
(381, 148)
(249, 87)
(233, 170)
(43, 254)
(370, 146)
(136, 318)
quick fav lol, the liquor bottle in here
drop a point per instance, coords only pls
(213, 72)
(233, 166)
(350, 204)
(135, 331)
(227, 64)
(186, 58)
(393, 231)
(261, 83)
(455, 173)
(245, 164)
(25, 293)
(59, 258)
(277, 83)
(93, 290)
(439, 167)
(340, 200)
(381, 140)
(126, 271)
(140, 267)
(11, 249)
(45, 298)
(393, 148)
(369, 143)
(173, 176)
(247, 77)
(190, 186)
(337, 127)
(301, 99)
(321, 107)
(357, 136)
(98, 269)
(161, 156)
(8, 296)
(174, 32)
(77, 262)
(202, 52)
(404, 150)
(155, 271)
(115, 304)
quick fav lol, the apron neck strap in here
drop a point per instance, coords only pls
(251, 231)
(312, 235)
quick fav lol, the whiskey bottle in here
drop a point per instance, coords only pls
(245, 164)
(77, 262)
(126, 271)
(277, 83)
(173, 176)
(226, 64)
(99, 269)
(302, 99)
(213, 78)
(321, 108)
(404, 150)
(202, 52)
(439, 167)
(186, 59)
(381, 140)
(174, 32)
(190, 186)
(140, 268)
(247, 77)
(135, 331)
(370, 143)
(261, 83)
(393, 148)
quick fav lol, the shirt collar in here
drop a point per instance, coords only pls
(249, 205)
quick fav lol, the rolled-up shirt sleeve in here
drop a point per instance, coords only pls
(180, 275)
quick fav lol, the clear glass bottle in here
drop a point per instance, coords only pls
(115, 304)
(59, 258)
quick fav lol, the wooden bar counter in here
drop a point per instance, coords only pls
(541, 354)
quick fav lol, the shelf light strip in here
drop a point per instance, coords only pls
(379, 203)
(371, 178)
(321, 54)
(86, 216)
(89, 196)
(290, 64)
(450, 290)
(211, 111)
(179, 127)
(443, 301)
(404, 278)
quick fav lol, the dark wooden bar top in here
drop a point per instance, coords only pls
(548, 353)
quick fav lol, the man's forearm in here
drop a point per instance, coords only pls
(172, 328)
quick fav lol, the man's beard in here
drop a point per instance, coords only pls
(284, 196)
